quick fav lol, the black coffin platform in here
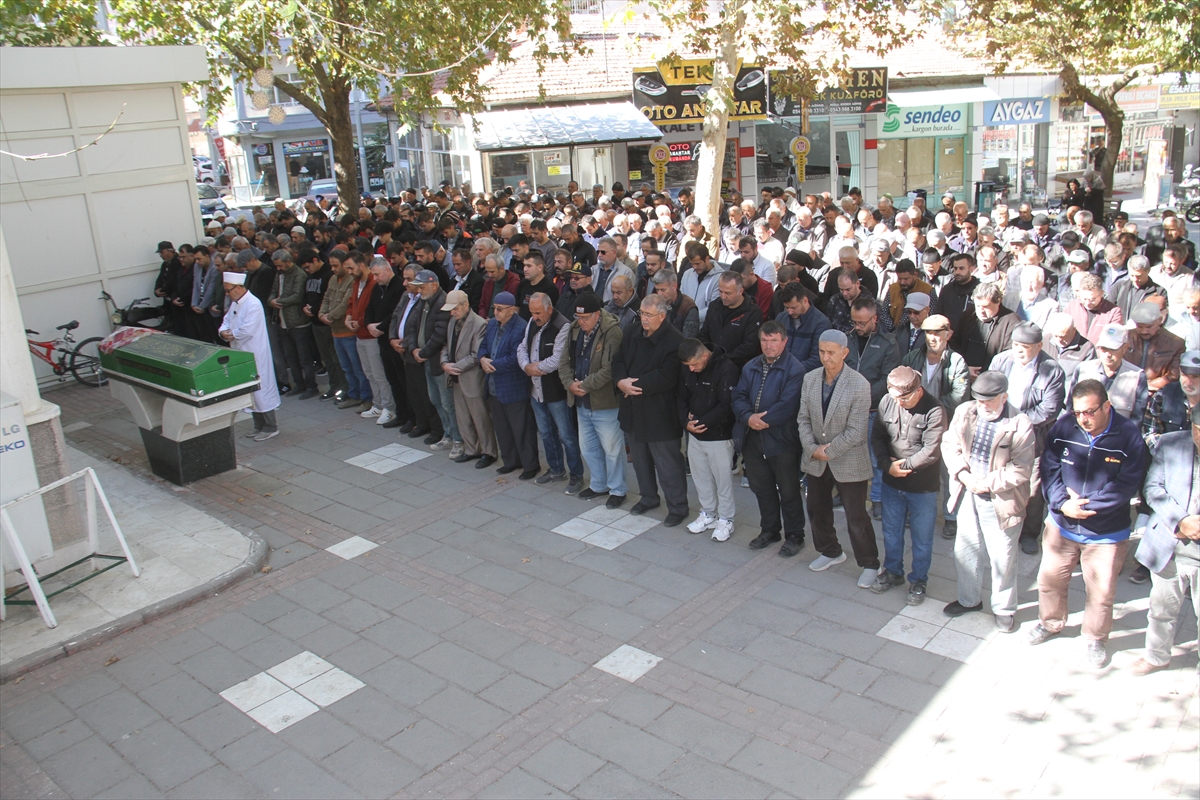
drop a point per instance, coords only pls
(192, 459)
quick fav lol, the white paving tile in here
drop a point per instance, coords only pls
(328, 688)
(253, 692)
(384, 465)
(952, 644)
(352, 547)
(604, 515)
(577, 528)
(391, 450)
(287, 709)
(76, 426)
(981, 626)
(628, 663)
(634, 525)
(609, 538)
(300, 669)
(930, 611)
(909, 631)
(365, 460)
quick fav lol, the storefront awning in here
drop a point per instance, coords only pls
(560, 126)
(942, 97)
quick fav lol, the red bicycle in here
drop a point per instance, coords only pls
(82, 360)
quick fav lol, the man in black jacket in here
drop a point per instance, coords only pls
(706, 412)
(427, 349)
(984, 330)
(319, 274)
(465, 279)
(646, 373)
(536, 280)
(954, 299)
(733, 324)
(385, 296)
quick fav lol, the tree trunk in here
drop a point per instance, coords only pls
(718, 103)
(345, 155)
(1114, 132)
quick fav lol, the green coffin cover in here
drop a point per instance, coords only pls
(182, 365)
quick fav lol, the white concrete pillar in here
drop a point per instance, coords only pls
(16, 368)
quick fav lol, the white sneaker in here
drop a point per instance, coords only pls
(372, 412)
(723, 530)
(457, 450)
(702, 522)
(385, 417)
(822, 563)
(867, 578)
(445, 444)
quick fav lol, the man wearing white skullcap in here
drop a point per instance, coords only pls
(245, 328)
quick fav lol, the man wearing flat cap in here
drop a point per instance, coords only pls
(1152, 347)
(989, 452)
(1178, 399)
(1125, 383)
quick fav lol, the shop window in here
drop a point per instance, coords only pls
(375, 145)
(306, 161)
(451, 155)
(279, 98)
(409, 169)
(510, 169)
(681, 171)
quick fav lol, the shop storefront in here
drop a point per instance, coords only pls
(924, 148)
(684, 142)
(1014, 143)
(305, 161)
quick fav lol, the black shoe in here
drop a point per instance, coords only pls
(764, 539)
(1140, 574)
(332, 395)
(529, 474)
(284, 388)
(673, 519)
(641, 508)
(308, 394)
(949, 529)
(588, 494)
(485, 462)
(837, 500)
(394, 422)
(507, 469)
(1029, 545)
(417, 433)
(614, 501)
(322, 373)
(791, 547)
(464, 458)
(877, 511)
(957, 609)
(885, 581)
(408, 427)
(434, 438)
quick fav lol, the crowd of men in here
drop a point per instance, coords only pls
(1036, 387)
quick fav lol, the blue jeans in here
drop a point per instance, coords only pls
(346, 348)
(603, 447)
(920, 510)
(556, 424)
(442, 397)
(876, 472)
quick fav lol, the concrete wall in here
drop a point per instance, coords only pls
(91, 219)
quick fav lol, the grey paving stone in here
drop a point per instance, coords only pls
(180, 697)
(630, 748)
(218, 726)
(373, 713)
(390, 510)
(483, 637)
(610, 562)
(788, 595)
(562, 764)
(519, 783)
(901, 692)
(300, 500)
(910, 661)
(272, 649)
(462, 713)
(695, 777)
(473, 517)
(669, 556)
(709, 570)
(451, 560)
(552, 544)
(277, 539)
(371, 769)
(514, 693)
(797, 774)
(362, 478)
(605, 589)
(838, 638)
(860, 714)
(426, 744)
(355, 615)
(459, 665)
(117, 714)
(401, 637)
(610, 621)
(419, 496)
(794, 655)
(315, 595)
(382, 592)
(714, 740)
(250, 750)
(761, 614)
(432, 615)
(318, 735)
(610, 781)
(347, 518)
(290, 554)
(94, 685)
(35, 717)
(669, 582)
(732, 633)
(855, 615)
(498, 579)
(552, 599)
(316, 482)
(542, 664)
(163, 754)
(413, 545)
(652, 606)
(554, 571)
(87, 768)
(268, 608)
(297, 623)
(215, 783)
(327, 639)
(853, 676)
(789, 688)
(345, 575)
(142, 668)
(438, 530)
(362, 499)
(290, 774)
(637, 706)
(360, 657)
(134, 786)
(403, 681)
(58, 738)
(218, 669)
(716, 661)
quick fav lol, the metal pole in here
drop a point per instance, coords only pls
(362, 148)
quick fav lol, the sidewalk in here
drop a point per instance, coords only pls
(428, 629)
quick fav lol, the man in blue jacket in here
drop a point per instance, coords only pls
(509, 389)
(803, 325)
(1092, 467)
(766, 402)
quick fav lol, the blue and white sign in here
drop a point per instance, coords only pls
(1019, 111)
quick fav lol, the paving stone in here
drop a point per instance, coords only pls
(860, 714)
(163, 754)
(141, 669)
(462, 713)
(290, 554)
(346, 575)
(630, 748)
(315, 595)
(552, 599)
(94, 685)
(483, 637)
(58, 738)
(732, 633)
(519, 783)
(914, 663)
(371, 769)
(451, 560)
(902, 692)
(270, 650)
(789, 688)
(251, 749)
(637, 706)
(854, 615)
(671, 557)
(788, 595)
(714, 740)
(853, 676)
(269, 608)
(459, 665)
(401, 637)
(553, 571)
(290, 774)
(117, 714)
(360, 657)
(792, 654)
(404, 681)
(382, 592)
(218, 669)
(36, 716)
(695, 777)
(179, 697)
(610, 621)
(218, 726)
(836, 637)
(373, 713)
(427, 744)
(709, 570)
(652, 606)
(716, 661)
(432, 615)
(670, 583)
(215, 783)
(611, 781)
(797, 774)
(413, 545)
(87, 768)
(549, 543)
(542, 664)
(617, 566)
(134, 786)
(514, 693)
(768, 616)
(319, 735)
(327, 639)
(497, 578)
(562, 764)
(355, 615)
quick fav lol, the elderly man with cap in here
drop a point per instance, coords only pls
(873, 354)
(426, 349)
(681, 309)
(989, 452)
(1176, 400)
(295, 329)
(509, 389)
(833, 427)
(579, 280)
(539, 355)
(1124, 383)
(245, 328)
(1152, 347)
(1092, 467)
(1170, 548)
(907, 440)
(1036, 387)
(466, 379)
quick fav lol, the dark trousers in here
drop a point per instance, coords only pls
(775, 481)
(516, 433)
(201, 327)
(393, 371)
(300, 353)
(323, 337)
(858, 521)
(264, 421)
(1035, 512)
(423, 414)
(660, 462)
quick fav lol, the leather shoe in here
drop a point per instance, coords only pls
(1006, 623)
(588, 494)
(615, 501)
(1142, 667)
(957, 609)
(791, 547)
(394, 422)
(764, 539)
(641, 508)
(417, 433)
(507, 469)
(485, 462)
(949, 529)
(1029, 545)
(464, 458)
(529, 474)
(673, 520)
(1040, 633)
(408, 427)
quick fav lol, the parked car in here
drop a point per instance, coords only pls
(210, 201)
(326, 188)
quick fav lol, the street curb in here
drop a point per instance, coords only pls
(259, 550)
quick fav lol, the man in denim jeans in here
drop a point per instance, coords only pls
(586, 371)
(907, 440)
(539, 356)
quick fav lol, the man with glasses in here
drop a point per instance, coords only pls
(608, 266)
(1092, 468)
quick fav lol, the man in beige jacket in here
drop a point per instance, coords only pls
(460, 363)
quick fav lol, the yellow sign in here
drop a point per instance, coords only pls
(554, 170)
(660, 156)
(1175, 96)
(800, 147)
(635, 175)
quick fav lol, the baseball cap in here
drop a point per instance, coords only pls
(423, 278)
(1077, 257)
(580, 268)
(164, 245)
(1189, 362)
(454, 299)
(917, 301)
(1111, 337)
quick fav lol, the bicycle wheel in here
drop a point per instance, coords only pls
(85, 363)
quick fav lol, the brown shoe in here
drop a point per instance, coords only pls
(1142, 667)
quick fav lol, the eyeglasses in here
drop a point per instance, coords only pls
(1090, 413)
(646, 314)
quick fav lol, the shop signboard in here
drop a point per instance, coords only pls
(1173, 96)
(306, 146)
(923, 121)
(865, 92)
(673, 93)
(1020, 111)
(1134, 100)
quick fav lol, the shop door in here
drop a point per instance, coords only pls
(594, 165)
(552, 169)
(847, 160)
(950, 166)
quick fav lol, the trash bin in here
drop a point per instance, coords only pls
(985, 196)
